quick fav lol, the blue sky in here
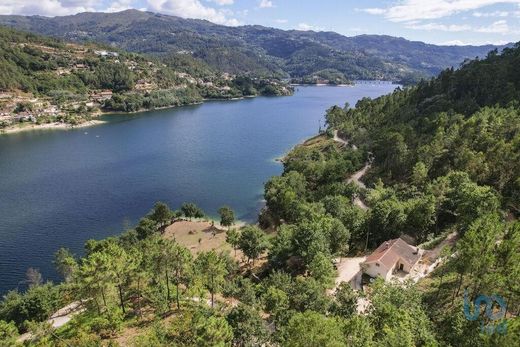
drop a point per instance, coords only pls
(439, 22)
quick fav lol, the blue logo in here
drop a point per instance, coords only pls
(489, 301)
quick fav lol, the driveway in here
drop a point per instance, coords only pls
(349, 270)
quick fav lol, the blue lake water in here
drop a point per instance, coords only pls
(61, 188)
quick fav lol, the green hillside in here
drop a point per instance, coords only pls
(255, 49)
(443, 173)
(44, 80)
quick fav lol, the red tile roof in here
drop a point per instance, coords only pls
(389, 252)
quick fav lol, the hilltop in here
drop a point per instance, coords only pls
(305, 56)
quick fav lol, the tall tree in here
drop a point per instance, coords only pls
(248, 326)
(145, 228)
(233, 238)
(313, 329)
(212, 271)
(181, 261)
(190, 210)
(33, 277)
(65, 263)
(227, 216)
(161, 214)
(252, 242)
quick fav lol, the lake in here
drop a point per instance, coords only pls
(61, 188)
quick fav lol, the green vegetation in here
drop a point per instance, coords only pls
(227, 216)
(49, 80)
(444, 159)
(256, 50)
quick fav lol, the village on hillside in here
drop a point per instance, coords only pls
(67, 93)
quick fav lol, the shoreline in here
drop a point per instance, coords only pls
(321, 85)
(66, 126)
(50, 126)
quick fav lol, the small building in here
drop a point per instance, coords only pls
(104, 53)
(143, 85)
(391, 256)
(101, 96)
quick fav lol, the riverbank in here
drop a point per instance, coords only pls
(22, 127)
(321, 85)
(48, 126)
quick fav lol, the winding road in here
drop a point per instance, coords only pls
(356, 176)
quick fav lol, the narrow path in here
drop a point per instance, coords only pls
(59, 318)
(343, 141)
(356, 176)
(339, 139)
(65, 314)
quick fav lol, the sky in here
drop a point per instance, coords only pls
(447, 22)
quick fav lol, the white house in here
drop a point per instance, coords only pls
(391, 256)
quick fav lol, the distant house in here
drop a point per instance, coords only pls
(391, 256)
(101, 96)
(106, 53)
(143, 85)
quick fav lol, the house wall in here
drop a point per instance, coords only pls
(390, 272)
(406, 267)
(377, 271)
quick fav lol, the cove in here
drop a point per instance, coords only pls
(60, 188)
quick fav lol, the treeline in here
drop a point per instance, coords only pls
(465, 120)
(133, 102)
(156, 287)
(142, 280)
(445, 159)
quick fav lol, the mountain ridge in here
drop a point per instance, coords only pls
(258, 49)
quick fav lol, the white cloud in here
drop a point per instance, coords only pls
(120, 5)
(439, 27)
(265, 4)
(498, 27)
(191, 9)
(223, 2)
(491, 14)
(374, 11)
(281, 21)
(307, 27)
(408, 10)
(464, 43)
(454, 43)
(46, 7)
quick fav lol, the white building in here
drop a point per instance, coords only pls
(391, 256)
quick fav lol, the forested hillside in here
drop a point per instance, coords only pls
(443, 164)
(44, 80)
(442, 161)
(464, 120)
(258, 50)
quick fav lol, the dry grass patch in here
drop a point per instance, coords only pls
(200, 236)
